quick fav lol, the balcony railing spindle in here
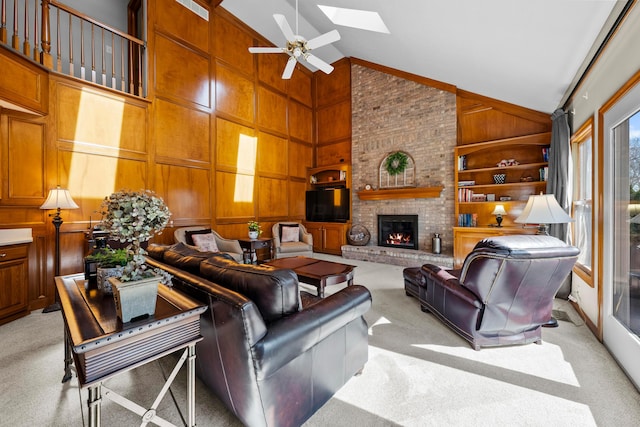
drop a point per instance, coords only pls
(126, 76)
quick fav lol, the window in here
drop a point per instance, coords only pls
(582, 206)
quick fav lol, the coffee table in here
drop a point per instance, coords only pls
(316, 272)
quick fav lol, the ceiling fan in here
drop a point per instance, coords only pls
(298, 48)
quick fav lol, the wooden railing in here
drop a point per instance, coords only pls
(82, 46)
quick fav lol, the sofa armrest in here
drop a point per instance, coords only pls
(450, 284)
(306, 237)
(228, 245)
(291, 336)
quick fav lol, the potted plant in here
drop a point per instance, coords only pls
(134, 217)
(254, 229)
(110, 263)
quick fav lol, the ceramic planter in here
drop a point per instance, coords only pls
(102, 278)
(135, 299)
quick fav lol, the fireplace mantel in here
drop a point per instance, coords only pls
(401, 193)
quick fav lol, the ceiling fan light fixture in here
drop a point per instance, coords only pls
(361, 19)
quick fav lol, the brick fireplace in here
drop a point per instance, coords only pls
(398, 231)
(417, 119)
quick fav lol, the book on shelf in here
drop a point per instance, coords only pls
(462, 163)
(478, 197)
(466, 183)
(468, 220)
(543, 173)
(545, 154)
(465, 194)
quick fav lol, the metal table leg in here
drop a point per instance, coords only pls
(94, 403)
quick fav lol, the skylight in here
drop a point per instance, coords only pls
(362, 19)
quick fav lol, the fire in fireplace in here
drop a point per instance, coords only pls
(398, 231)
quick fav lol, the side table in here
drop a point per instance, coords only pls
(249, 247)
(101, 346)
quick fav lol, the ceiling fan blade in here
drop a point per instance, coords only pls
(284, 26)
(318, 63)
(266, 50)
(288, 70)
(324, 39)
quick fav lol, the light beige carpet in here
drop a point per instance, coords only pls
(419, 373)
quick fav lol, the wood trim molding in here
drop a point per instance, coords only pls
(401, 193)
(404, 75)
(506, 107)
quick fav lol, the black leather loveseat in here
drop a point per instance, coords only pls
(272, 354)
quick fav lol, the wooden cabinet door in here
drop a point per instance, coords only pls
(316, 231)
(334, 238)
(13, 282)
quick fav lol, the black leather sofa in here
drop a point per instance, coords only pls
(272, 354)
(504, 292)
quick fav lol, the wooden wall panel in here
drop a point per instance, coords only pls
(296, 199)
(334, 87)
(182, 23)
(181, 133)
(232, 43)
(272, 198)
(300, 85)
(270, 68)
(22, 83)
(272, 155)
(26, 154)
(234, 94)
(332, 154)
(90, 178)
(300, 122)
(234, 196)
(485, 119)
(185, 191)
(300, 158)
(97, 117)
(272, 110)
(236, 147)
(334, 122)
(182, 73)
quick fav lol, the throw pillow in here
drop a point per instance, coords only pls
(188, 235)
(290, 234)
(205, 242)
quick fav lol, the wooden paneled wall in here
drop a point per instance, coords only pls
(333, 115)
(220, 136)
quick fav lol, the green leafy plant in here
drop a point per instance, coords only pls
(255, 226)
(135, 217)
(396, 163)
(109, 258)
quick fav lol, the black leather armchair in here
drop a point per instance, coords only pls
(504, 292)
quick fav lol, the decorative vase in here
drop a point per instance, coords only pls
(102, 278)
(253, 234)
(135, 300)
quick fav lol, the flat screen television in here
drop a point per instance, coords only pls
(328, 205)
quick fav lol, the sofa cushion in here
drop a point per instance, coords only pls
(189, 233)
(188, 258)
(274, 291)
(290, 247)
(290, 234)
(205, 242)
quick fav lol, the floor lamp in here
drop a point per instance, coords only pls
(58, 199)
(542, 210)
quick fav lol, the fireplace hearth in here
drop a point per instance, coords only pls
(398, 231)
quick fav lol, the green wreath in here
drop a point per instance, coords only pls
(396, 163)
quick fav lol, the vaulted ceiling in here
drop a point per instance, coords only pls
(526, 52)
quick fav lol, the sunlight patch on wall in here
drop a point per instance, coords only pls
(246, 162)
(95, 179)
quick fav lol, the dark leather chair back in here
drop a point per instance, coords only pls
(505, 290)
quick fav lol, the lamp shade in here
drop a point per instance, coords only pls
(543, 209)
(499, 210)
(59, 198)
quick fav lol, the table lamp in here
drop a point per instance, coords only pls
(543, 209)
(58, 199)
(498, 212)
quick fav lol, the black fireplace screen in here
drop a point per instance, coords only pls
(398, 231)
